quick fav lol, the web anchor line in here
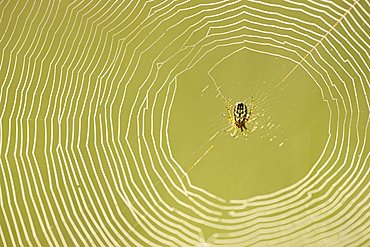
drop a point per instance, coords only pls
(319, 42)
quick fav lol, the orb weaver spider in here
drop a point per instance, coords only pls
(239, 116)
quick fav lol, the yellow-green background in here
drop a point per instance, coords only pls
(91, 91)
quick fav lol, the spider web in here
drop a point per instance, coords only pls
(90, 145)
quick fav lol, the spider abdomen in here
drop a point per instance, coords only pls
(240, 112)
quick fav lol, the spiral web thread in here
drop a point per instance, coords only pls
(87, 89)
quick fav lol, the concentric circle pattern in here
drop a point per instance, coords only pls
(95, 145)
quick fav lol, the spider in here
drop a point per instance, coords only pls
(239, 117)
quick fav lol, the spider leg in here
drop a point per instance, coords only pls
(235, 131)
(244, 133)
(229, 112)
(229, 116)
(230, 129)
(250, 113)
(252, 108)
